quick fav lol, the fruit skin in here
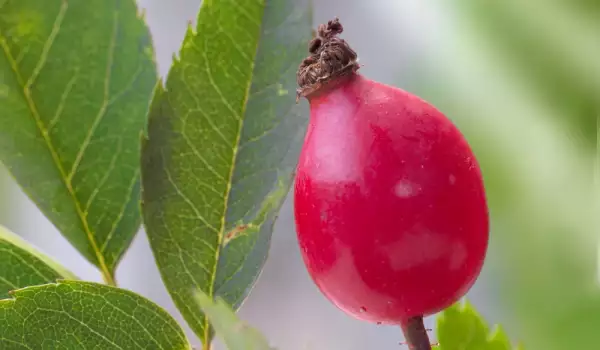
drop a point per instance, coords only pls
(390, 208)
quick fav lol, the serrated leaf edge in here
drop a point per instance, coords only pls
(161, 91)
(465, 306)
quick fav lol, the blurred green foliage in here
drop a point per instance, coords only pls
(522, 80)
(235, 333)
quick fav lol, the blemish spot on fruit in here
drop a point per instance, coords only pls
(405, 189)
(452, 179)
(363, 309)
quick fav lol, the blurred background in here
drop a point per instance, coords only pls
(521, 79)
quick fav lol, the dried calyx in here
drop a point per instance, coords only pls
(330, 57)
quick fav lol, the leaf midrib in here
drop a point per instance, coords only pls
(106, 272)
(238, 136)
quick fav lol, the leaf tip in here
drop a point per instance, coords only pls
(188, 42)
(141, 13)
(176, 59)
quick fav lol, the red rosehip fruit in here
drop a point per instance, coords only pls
(390, 209)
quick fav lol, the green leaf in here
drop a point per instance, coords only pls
(85, 315)
(76, 78)
(21, 265)
(236, 334)
(460, 327)
(7, 208)
(223, 140)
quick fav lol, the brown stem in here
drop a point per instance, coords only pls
(416, 334)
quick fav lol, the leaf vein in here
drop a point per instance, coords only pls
(212, 82)
(265, 133)
(208, 186)
(12, 285)
(245, 13)
(108, 303)
(48, 44)
(127, 88)
(202, 112)
(16, 342)
(86, 326)
(105, 102)
(234, 44)
(185, 269)
(62, 102)
(119, 217)
(105, 177)
(199, 216)
(201, 158)
(25, 263)
(55, 157)
(231, 170)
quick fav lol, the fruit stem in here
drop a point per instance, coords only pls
(416, 334)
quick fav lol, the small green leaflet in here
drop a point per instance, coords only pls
(76, 78)
(21, 265)
(223, 140)
(236, 334)
(460, 327)
(85, 315)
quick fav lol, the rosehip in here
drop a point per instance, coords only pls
(390, 207)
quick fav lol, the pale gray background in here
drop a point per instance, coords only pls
(390, 36)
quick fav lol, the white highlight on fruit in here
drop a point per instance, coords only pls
(452, 179)
(421, 246)
(405, 189)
